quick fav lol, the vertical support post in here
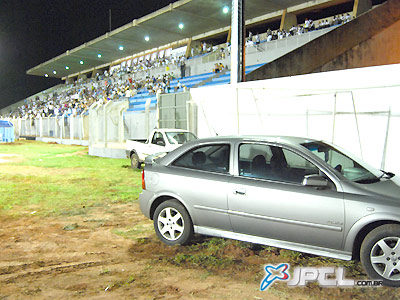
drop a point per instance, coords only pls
(55, 127)
(386, 139)
(159, 97)
(71, 127)
(147, 117)
(62, 132)
(334, 119)
(237, 109)
(121, 136)
(356, 119)
(81, 132)
(237, 42)
(287, 20)
(105, 125)
(361, 6)
(48, 126)
(19, 127)
(40, 127)
(188, 48)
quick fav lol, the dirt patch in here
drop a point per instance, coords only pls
(10, 158)
(32, 171)
(83, 152)
(39, 259)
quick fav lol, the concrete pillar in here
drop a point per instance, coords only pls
(62, 128)
(81, 132)
(55, 127)
(41, 127)
(361, 6)
(19, 127)
(287, 20)
(188, 48)
(105, 122)
(48, 127)
(71, 127)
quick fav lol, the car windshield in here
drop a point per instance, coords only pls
(179, 138)
(342, 163)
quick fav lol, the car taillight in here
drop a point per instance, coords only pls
(143, 183)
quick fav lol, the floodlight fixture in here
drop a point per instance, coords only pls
(46, 75)
(81, 62)
(181, 25)
(99, 55)
(225, 10)
(147, 38)
(54, 72)
(121, 48)
(66, 68)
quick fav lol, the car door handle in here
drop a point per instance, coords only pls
(240, 192)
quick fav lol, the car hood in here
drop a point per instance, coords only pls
(385, 187)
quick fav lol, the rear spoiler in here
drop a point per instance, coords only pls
(149, 160)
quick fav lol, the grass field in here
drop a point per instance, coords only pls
(70, 226)
(60, 179)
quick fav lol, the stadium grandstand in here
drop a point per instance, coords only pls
(146, 73)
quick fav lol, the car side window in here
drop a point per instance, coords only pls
(273, 163)
(158, 139)
(213, 158)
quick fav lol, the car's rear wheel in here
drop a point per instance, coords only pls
(172, 223)
(380, 254)
(135, 162)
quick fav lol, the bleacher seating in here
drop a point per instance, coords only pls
(226, 78)
(137, 103)
(191, 81)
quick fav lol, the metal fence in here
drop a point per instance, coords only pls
(106, 123)
(60, 127)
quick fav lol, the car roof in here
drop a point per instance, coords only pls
(288, 140)
(285, 140)
(170, 130)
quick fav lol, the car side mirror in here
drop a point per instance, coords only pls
(160, 143)
(316, 181)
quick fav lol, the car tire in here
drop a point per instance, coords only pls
(380, 254)
(172, 223)
(135, 162)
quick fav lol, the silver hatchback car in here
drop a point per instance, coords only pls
(288, 192)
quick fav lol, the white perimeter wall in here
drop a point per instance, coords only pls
(357, 109)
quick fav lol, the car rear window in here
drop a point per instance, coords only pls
(212, 158)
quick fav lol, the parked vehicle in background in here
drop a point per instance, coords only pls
(159, 140)
(294, 193)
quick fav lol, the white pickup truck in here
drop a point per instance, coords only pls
(160, 140)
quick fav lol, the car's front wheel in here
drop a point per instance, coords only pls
(380, 254)
(172, 223)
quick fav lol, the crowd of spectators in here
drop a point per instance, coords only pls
(218, 67)
(144, 65)
(307, 26)
(75, 99)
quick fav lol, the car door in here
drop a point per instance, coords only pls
(202, 175)
(157, 143)
(267, 198)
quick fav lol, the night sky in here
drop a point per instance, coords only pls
(34, 31)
